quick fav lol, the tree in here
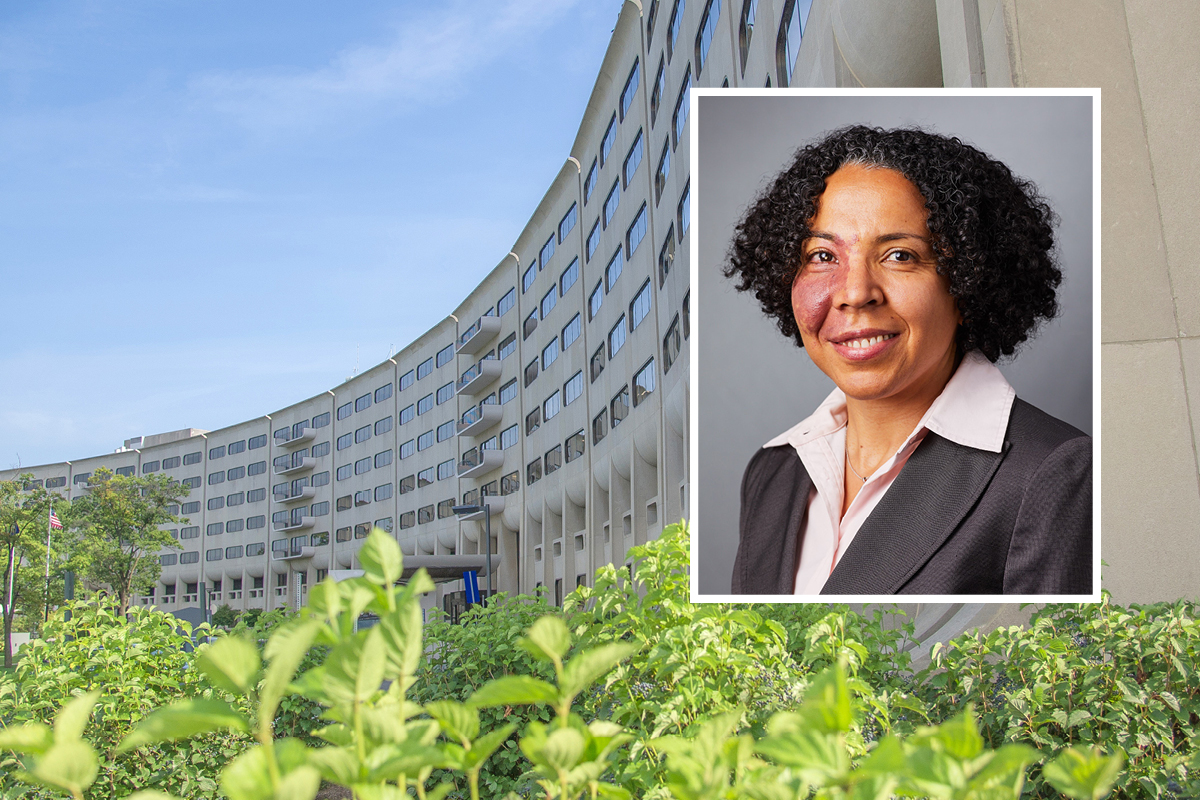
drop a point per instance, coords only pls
(24, 524)
(224, 617)
(120, 519)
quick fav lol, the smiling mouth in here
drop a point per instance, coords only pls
(859, 344)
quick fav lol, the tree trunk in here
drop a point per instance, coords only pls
(10, 580)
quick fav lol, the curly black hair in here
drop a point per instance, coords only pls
(992, 232)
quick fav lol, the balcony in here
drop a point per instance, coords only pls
(284, 438)
(478, 377)
(289, 465)
(477, 337)
(293, 553)
(479, 419)
(256, 594)
(294, 524)
(475, 464)
(304, 493)
(494, 503)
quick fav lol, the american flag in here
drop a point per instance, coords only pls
(55, 523)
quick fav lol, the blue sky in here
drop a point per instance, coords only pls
(209, 211)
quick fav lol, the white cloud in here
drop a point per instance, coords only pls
(426, 60)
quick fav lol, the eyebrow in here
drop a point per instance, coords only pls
(886, 237)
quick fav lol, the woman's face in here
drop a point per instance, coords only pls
(873, 312)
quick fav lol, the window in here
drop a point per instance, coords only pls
(643, 382)
(445, 470)
(216, 452)
(531, 372)
(256, 548)
(381, 394)
(362, 434)
(214, 529)
(192, 458)
(650, 15)
(408, 519)
(791, 31)
(424, 368)
(597, 363)
(639, 309)
(610, 136)
(508, 437)
(600, 426)
(508, 391)
(666, 256)
(553, 458)
(408, 448)
(674, 25)
(407, 413)
(684, 212)
(362, 498)
(620, 406)
(425, 441)
(345, 440)
(216, 554)
(533, 472)
(382, 459)
(549, 301)
(687, 302)
(237, 447)
(574, 445)
(345, 411)
(382, 426)
(596, 300)
(406, 380)
(570, 332)
(506, 303)
(682, 106)
(168, 560)
(342, 534)
(631, 87)
(636, 232)
(550, 353)
(546, 253)
(362, 530)
(258, 495)
(568, 278)
(708, 27)
(589, 184)
(425, 404)
(664, 169)
(319, 540)
(567, 223)
(530, 325)
(344, 471)
(362, 465)
(216, 477)
(510, 483)
(425, 477)
(611, 202)
(215, 503)
(552, 406)
(424, 514)
(190, 532)
(445, 393)
(147, 468)
(235, 499)
(533, 420)
(528, 278)
(407, 484)
(616, 337)
(167, 463)
(345, 503)
(593, 240)
(445, 508)
(671, 345)
(235, 473)
(633, 160)
(384, 524)
(363, 403)
(190, 508)
(444, 357)
(613, 270)
(125, 472)
(745, 33)
(573, 388)
(322, 420)
(320, 509)
(445, 431)
(189, 558)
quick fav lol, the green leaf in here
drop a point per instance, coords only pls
(483, 747)
(513, 690)
(960, 737)
(457, 720)
(548, 638)
(562, 748)
(151, 794)
(381, 559)
(826, 704)
(402, 630)
(32, 738)
(370, 666)
(183, 719)
(302, 783)
(69, 765)
(284, 651)
(231, 663)
(248, 777)
(587, 667)
(73, 718)
(1084, 773)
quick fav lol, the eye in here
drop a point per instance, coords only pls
(820, 257)
(901, 257)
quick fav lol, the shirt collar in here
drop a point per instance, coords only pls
(972, 410)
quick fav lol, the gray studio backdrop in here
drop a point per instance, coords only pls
(753, 384)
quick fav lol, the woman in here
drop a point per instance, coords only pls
(906, 263)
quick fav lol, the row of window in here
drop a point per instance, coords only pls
(229, 526)
(236, 473)
(286, 434)
(553, 459)
(235, 499)
(618, 408)
(549, 409)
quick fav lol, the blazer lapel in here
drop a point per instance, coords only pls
(930, 497)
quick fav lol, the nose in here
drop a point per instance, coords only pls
(859, 286)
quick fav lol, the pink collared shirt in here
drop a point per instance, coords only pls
(972, 411)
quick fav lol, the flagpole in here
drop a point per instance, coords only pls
(48, 527)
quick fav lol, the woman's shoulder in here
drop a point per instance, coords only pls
(1031, 429)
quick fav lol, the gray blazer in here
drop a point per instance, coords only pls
(956, 520)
